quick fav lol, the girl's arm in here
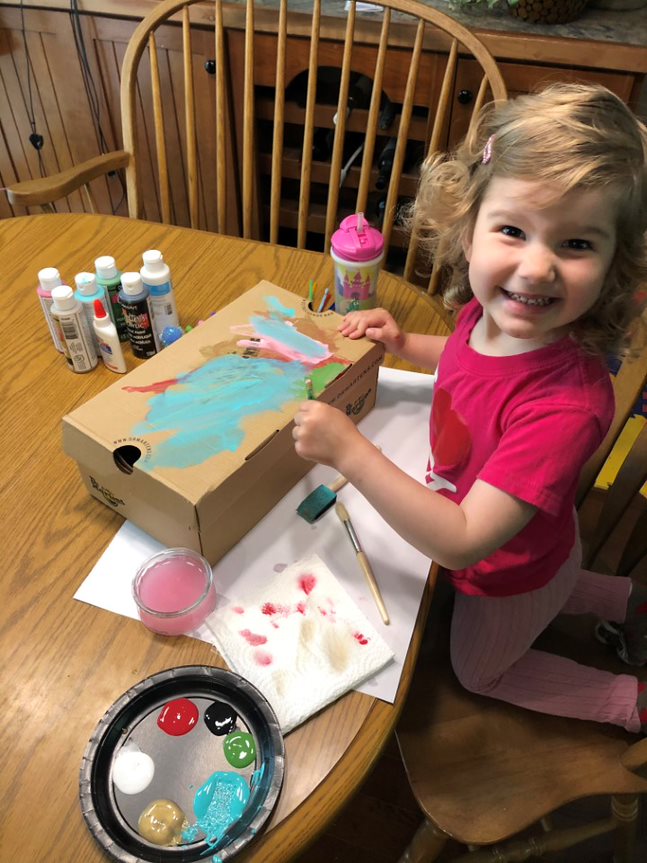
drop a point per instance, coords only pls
(454, 535)
(380, 326)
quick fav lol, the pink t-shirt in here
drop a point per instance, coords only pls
(525, 424)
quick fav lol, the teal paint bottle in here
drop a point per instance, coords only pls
(109, 278)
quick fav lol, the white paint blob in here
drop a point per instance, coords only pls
(133, 770)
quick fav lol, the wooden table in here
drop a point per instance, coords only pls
(65, 662)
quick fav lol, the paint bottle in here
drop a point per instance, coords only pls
(73, 330)
(109, 278)
(135, 302)
(156, 276)
(87, 291)
(49, 278)
(109, 344)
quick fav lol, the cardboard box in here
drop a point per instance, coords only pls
(195, 445)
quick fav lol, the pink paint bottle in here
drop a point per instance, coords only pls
(49, 278)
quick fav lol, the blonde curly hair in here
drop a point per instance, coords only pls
(569, 136)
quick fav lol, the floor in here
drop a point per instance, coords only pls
(380, 821)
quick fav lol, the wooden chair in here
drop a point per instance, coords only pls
(484, 771)
(236, 154)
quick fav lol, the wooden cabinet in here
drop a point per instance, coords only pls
(78, 113)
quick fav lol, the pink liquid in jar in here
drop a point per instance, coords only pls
(174, 591)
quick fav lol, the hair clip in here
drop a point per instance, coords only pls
(487, 151)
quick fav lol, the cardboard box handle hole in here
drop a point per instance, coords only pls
(125, 457)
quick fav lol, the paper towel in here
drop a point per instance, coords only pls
(300, 639)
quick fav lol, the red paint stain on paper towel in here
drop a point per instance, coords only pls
(361, 639)
(262, 658)
(307, 583)
(252, 638)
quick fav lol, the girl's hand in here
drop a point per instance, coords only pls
(375, 324)
(323, 433)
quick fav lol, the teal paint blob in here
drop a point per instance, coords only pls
(239, 748)
(206, 408)
(273, 303)
(256, 777)
(218, 804)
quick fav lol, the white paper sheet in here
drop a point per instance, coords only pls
(399, 424)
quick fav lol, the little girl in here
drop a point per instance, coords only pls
(540, 220)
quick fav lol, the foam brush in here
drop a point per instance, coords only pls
(321, 499)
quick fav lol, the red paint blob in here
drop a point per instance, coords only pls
(269, 608)
(178, 717)
(252, 638)
(301, 607)
(158, 387)
(362, 639)
(263, 658)
(307, 583)
(237, 609)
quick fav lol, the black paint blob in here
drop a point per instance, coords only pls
(220, 718)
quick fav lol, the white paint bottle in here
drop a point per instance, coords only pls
(73, 330)
(108, 339)
(48, 278)
(87, 291)
(156, 276)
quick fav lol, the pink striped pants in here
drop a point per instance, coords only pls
(491, 651)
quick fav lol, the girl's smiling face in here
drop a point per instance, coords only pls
(537, 261)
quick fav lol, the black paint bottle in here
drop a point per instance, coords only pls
(135, 302)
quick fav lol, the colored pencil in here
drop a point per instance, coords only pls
(324, 299)
(309, 388)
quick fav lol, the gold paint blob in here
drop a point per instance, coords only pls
(162, 823)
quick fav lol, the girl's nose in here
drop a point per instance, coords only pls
(537, 264)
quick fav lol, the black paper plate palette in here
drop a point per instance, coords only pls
(186, 759)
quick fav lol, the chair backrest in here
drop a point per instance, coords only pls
(629, 385)
(284, 138)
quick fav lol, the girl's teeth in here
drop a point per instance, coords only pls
(531, 301)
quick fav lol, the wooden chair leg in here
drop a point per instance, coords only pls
(624, 809)
(426, 845)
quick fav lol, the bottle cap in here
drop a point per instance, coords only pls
(100, 310)
(170, 335)
(132, 283)
(356, 240)
(153, 260)
(48, 278)
(86, 283)
(106, 267)
(63, 297)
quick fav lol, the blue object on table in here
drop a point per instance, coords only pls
(170, 335)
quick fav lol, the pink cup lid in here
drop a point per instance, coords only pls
(356, 240)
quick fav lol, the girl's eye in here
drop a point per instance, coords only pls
(511, 231)
(578, 245)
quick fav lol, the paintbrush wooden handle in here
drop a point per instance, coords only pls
(372, 583)
(338, 483)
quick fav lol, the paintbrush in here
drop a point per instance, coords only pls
(320, 500)
(342, 512)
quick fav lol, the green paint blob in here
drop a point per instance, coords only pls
(324, 375)
(239, 748)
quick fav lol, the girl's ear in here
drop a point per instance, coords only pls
(466, 242)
